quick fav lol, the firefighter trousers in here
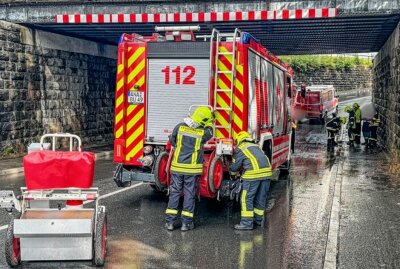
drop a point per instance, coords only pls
(187, 184)
(253, 200)
(373, 136)
(350, 132)
(357, 133)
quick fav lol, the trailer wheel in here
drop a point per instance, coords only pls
(12, 247)
(215, 174)
(160, 173)
(100, 240)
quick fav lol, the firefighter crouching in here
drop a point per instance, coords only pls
(351, 125)
(373, 139)
(188, 139)
(256, 175)
(357, 130)
(333, 128)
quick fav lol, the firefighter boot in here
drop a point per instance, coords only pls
(169, 226)
(187, 226)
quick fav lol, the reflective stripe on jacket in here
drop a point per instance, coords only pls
(357, 115)
(255, 164)
(188, 143)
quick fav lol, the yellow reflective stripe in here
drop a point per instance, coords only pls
(171, 211)
(196, 151)
(187, 165)
(243, 199)
(259, 171)
(244, 147)
(256, 176)
(187, 170)
(178, 148)
(187, 214)
(245, 213)
(259, 212)
(252, 159)
(189, 130)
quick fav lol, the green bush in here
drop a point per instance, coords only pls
(304, 63)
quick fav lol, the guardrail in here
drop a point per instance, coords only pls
(343, 95)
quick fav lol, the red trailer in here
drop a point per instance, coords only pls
(160, 77)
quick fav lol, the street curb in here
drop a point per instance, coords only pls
(332, 244)
(15, 171)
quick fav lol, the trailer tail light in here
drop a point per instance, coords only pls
(321, 107)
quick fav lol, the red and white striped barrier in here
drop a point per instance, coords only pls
(262, 15)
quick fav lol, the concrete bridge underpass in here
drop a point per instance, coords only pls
(284, 27)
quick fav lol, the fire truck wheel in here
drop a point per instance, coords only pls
(100, 240)
(12, 247)
(215, 174)
(160, 174)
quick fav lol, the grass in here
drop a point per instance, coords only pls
(304, 63)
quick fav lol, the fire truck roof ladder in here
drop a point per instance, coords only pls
(217, 37)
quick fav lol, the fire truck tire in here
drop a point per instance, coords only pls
(215, 174)
(160, 174)
(12, 247)
(100, 240)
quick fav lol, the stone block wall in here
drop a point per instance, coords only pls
(45, 88)
(386, 91)
(343, 80)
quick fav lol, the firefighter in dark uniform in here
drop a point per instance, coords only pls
(351, 125)
(357, 130)
(333, 127)
(257, 171)
(188, 139)
(373, 139)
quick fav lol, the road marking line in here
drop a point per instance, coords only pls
(331, 249)
(101, 197)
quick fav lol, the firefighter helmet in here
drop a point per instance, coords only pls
(343, 120)
(355, 105)
(203, 116)
(243, 135)
(347, 109)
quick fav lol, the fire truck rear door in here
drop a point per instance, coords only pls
(174, 85)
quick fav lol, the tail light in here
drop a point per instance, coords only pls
(321, 107)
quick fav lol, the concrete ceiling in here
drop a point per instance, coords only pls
(344, 34)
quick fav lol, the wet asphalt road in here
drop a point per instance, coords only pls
(294, 235)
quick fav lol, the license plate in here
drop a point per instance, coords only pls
(135, 97)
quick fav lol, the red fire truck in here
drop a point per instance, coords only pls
(160, 77)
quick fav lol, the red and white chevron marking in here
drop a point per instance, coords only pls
(262, 15)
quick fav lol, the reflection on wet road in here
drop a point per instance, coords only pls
(137, 238)
(294, 235)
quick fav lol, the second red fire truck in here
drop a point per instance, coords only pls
(160, 77)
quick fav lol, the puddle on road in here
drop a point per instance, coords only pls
(126, 254)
